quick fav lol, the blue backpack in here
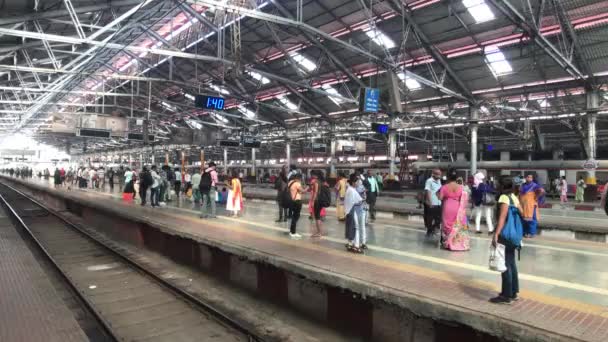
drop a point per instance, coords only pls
(513, 231)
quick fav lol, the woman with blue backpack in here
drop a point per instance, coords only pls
(509, 233)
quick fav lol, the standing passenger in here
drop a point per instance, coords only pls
(372, 194)
(111, 174)
(454, 218)
(295, 190)
(196, 191)
(145, 182)
(530, 194)
(353, 227)
(313, 203)
(235, 196)
(580, 190)
(280, 185)
(208, 189)
(563, 192)
(483, 203)
(178, 182)
(129, 189)
(432, 204)
(508, 210)
(341, 186)
(155, 189)
(101, 176)
(57, 177)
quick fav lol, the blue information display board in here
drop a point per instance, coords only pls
(209, 102)
(369, 100)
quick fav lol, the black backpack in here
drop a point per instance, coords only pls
(206, 181)
(286, 200)
(147, 178)
(324, 197)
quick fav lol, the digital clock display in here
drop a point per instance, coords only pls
(209, 102)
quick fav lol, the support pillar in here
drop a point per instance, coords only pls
(474, 125)
(225, 161)
(392, 137)
(202, 160)
(253, 173)
(332, 163)
(593, 104)
(166, 158)
(288, 154)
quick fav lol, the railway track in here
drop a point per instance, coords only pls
(130, 302)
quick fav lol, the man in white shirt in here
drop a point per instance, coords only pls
(154, 195)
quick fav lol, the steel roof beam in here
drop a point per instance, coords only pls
(567, 28)
(511, 12)
(326, 36)
(64, 12)
(399, 7)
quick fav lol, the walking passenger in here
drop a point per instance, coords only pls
(372, 194)
(454, 234)
(155, 188)
(208, 190)
(235, 196)
(295, 192)
(483, 203)
(580, 190)
(280, 185)
(341, 186)
(563, 192)
(530, 195)
(509, 220)
(352, 206)
(432, 204)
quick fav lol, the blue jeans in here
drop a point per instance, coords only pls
(510, 279)
(154, 196)
(208, 203)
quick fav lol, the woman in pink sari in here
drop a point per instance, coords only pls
(454, 231)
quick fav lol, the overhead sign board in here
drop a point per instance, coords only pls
(319, 148)
(369, 100)
(209, 102)
(230, 143)
(251, 142)
(94, 133)
(349, 150)
(139, 137)
(380, 128)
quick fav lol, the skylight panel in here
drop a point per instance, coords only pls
(285, 101)
(440, 115)
(544, 103)
(258, 77)
(220, 90)
(410, 83)
(497, 62)
(189, 96)
(194, 124)
(220, 118)
(333, 91)
(167, 106)
(479, 10)
(380, 38)
(304, 62)
(247, 112)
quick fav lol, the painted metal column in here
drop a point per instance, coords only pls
(392, 145)
(593, 104)
(202, 160)
(225, 161)
(332, 163)
(474, 125)
(253, 174)
(288, 154)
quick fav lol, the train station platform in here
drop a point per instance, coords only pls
(403, 286)
(30, 307)
(555, 221)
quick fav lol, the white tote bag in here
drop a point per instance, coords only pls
(497, 258)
